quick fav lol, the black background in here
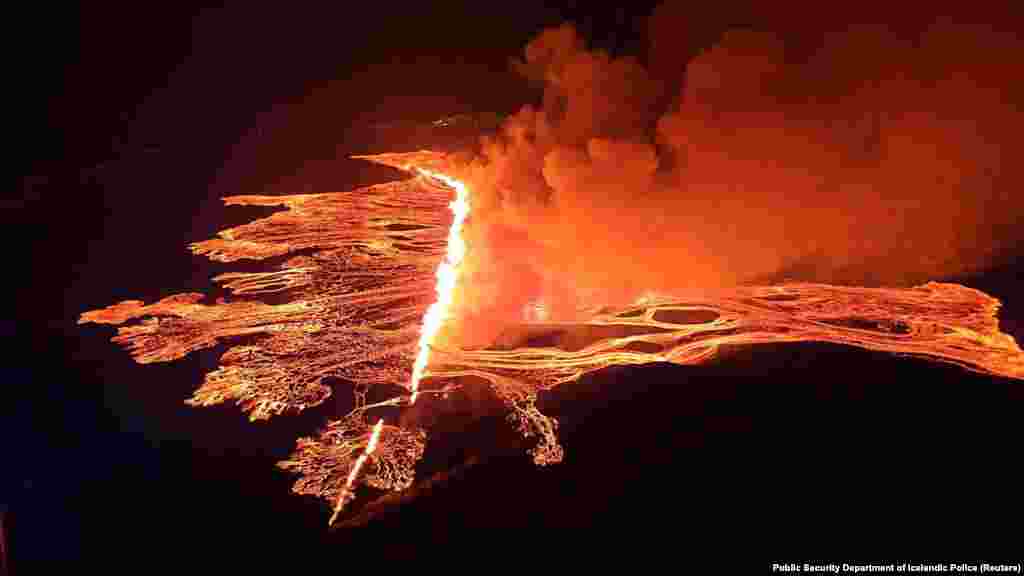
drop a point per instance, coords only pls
(131, 121)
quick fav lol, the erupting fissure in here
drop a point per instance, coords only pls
(447, 273)
(435, 316)
(350, 306)
(371, 445)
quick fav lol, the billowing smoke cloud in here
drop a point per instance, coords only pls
(863, 156)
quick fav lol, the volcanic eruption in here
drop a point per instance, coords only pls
(575, 241)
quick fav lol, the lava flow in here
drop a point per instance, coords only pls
(359, 268)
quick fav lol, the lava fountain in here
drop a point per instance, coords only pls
(446, 276)
(360, 268)
(432, 320)
(371, 445)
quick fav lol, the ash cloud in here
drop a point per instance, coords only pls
(862, 154)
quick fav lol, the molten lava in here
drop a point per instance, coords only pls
(446, 277)
(432, 320)
(349, 303)
(371, 445)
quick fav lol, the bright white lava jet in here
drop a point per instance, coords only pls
(371, 445)
(447, 272)
(432, 320)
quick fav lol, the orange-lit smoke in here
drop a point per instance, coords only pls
(866, 157)
(627, 209)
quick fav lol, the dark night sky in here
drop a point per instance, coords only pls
(136, 119)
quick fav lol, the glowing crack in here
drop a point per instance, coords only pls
(362, 297)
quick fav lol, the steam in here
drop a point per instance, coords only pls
(871, 158)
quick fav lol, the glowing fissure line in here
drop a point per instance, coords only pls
(370, 447)
(432, 320)
(447, 272)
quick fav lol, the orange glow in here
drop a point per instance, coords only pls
(371, 445)
(435, 316)
(447, 273)
(349, 303)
